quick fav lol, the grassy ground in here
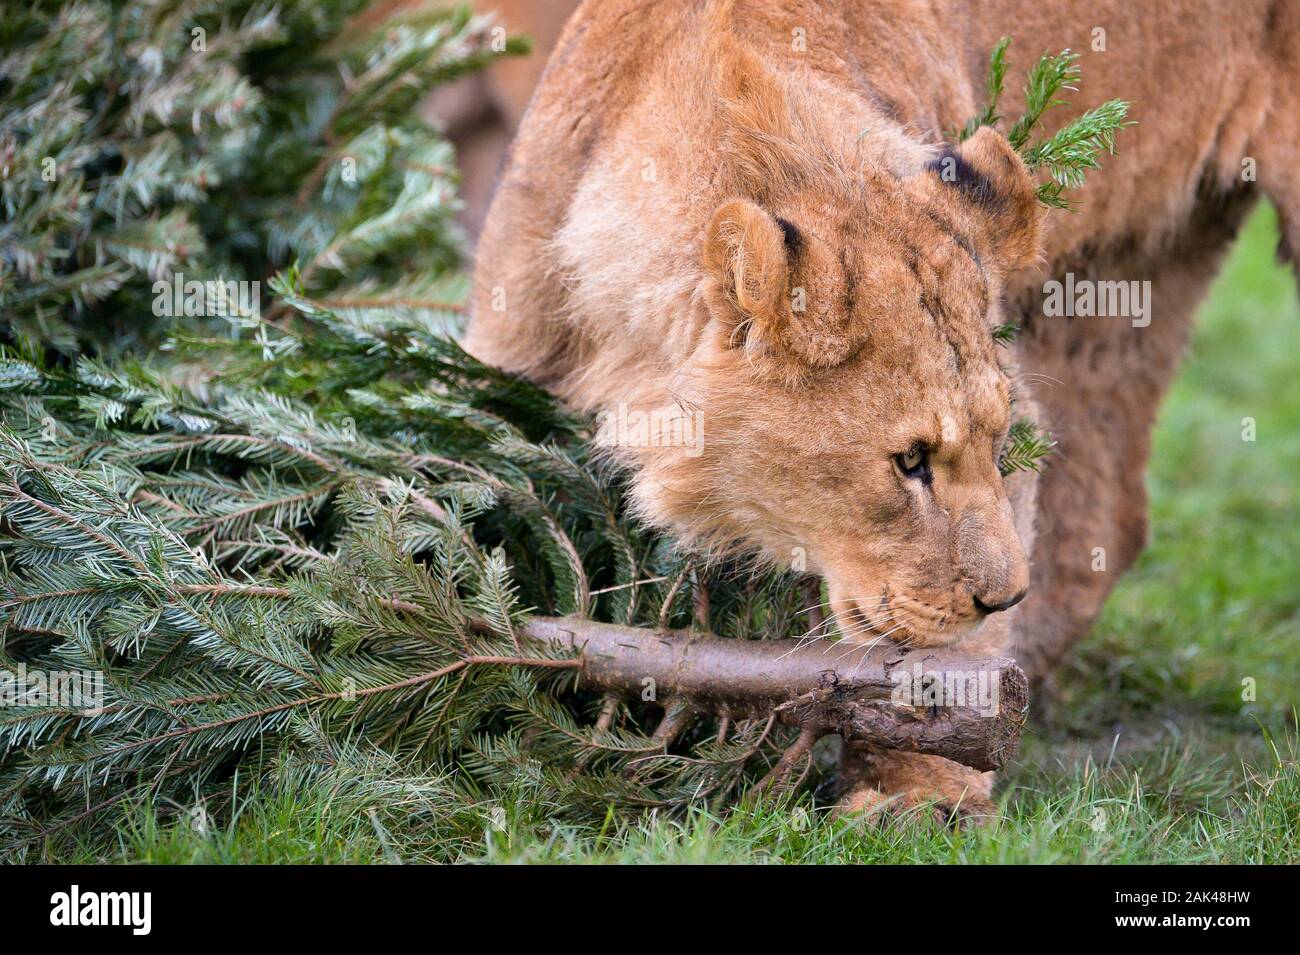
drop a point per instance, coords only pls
(1147, 749)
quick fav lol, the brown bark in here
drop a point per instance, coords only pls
(824, 686)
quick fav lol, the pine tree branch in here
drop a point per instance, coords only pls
(806, 684)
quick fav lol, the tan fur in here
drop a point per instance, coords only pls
(635, 259)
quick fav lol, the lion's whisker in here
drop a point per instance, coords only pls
(851, 635)
(813, 635)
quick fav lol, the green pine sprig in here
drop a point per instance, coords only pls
(1066, 156)
(1005, 333)
(1073, 150)
(1027, 446)
(993, 85)
(1050, 75)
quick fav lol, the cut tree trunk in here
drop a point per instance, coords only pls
(936, 701)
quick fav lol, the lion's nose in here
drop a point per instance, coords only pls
(984, 608)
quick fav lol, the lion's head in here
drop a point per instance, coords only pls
(850, 392)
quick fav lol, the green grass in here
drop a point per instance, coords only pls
(1143, 750)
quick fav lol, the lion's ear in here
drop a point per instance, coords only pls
(985, 182)
(770, 288)
(747, 271)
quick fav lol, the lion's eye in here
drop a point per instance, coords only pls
(914, 462)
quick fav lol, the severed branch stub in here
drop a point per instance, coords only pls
(936, 701)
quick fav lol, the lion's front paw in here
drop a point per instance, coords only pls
(965, 811)
(893, 785)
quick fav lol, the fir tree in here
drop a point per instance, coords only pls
(253, 575)
(222, 141)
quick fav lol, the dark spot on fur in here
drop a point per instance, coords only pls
(850, 284)
(933, 308)
(914, 264)
(1271, 21)
(791, 235)
(954, 170)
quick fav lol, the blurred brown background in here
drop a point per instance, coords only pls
(481, 112)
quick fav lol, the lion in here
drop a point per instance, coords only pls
(744, 222)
